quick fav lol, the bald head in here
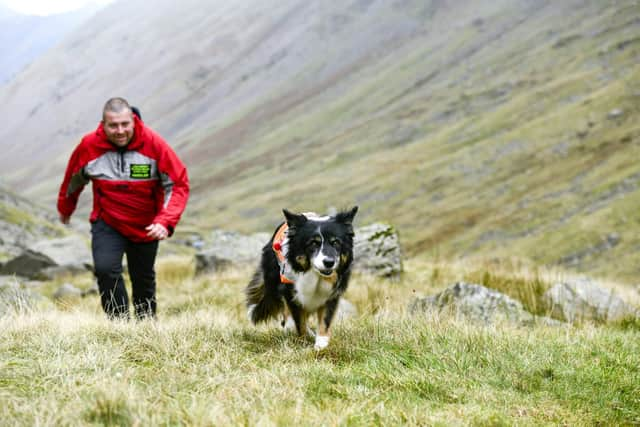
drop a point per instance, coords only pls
(118, 122)
(116, 105)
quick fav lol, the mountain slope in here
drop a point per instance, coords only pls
(479, 128)
(24, 37)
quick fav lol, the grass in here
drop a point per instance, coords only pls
(29, 222)
(202, 364)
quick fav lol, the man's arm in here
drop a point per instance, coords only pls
(175, 182)
(72, 185)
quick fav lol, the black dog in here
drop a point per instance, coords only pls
(305, 268)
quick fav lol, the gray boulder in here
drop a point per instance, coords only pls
(28, 264)
(208, 262)
(474, 302)
(49, 258)
(583, 300)
(70, 254)
(615, 113)
(226, 248)
(67, 292)
(376, 250)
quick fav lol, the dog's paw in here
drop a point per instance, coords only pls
(289, 325)
(322, 342)
(250, 310)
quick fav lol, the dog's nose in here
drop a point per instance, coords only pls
(329, 262)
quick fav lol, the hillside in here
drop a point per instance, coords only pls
(24, 37)
(479, 128)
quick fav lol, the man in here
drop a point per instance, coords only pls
(140, 189)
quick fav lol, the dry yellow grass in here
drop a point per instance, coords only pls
(201, 363)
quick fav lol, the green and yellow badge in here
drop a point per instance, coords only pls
(140, 171)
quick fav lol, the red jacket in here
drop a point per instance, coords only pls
(133, 187)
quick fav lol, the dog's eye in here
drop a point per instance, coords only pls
(315, 242)
(334, 241)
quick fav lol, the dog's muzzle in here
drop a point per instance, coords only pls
(328, 267)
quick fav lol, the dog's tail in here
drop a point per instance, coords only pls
(263, 301)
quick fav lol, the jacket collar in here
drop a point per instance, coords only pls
(140, 135)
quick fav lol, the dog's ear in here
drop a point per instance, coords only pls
(294, 220)
(347, 216)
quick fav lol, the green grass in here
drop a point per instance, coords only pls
(513, 159)
(29, 222)
(202, 363)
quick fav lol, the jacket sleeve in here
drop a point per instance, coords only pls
(175, 182)
(72, 184)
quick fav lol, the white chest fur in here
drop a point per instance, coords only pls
(312, 291)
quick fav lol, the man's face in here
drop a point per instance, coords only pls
(118, 127)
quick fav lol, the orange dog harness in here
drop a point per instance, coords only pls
(279, 243)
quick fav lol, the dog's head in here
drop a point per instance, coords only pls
(322, 243)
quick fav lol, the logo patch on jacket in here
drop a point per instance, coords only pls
(140, 171)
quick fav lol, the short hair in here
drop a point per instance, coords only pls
(116, 105)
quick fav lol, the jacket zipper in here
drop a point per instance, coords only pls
(121, 160)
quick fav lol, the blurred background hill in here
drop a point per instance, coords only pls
(23, 38)
(478, 128)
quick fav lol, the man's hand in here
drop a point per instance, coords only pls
(157, 231)
(64, 219)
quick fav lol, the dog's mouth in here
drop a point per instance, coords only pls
(325, 273)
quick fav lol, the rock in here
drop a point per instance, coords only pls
(230, 248)
(583, 300)
(197, 244)
(474, 302)
(70, 254)
(50, 258)
(67, 291)
(377, 250)
(209, 262)
(192, 239)
(615, 113)
(28, 264)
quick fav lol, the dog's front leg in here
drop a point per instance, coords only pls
(288, 324)
(322, 337)
(301, 323)
(299, 316)
(325, 317)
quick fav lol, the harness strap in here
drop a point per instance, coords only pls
(278, 241)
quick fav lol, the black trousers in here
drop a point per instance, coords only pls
(108, 247)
